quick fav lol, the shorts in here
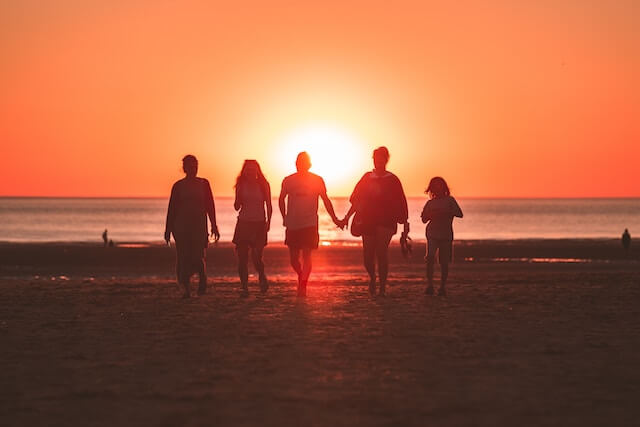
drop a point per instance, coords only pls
(378, 236)
(302, 238)
(250, 233)
(444, 248)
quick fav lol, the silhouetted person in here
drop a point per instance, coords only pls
(379, 203)
(626, 240)
(253, 194)
(105, 238)
(438, 214)
(190, 203)
(300, 216)
(111, 243)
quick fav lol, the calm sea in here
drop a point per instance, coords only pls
(142, 220)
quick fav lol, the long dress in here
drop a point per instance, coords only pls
(190, 203)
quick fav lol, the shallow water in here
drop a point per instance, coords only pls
(142, 220)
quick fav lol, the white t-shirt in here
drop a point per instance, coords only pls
(302, 190)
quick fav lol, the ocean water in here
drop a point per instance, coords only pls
(142, 220)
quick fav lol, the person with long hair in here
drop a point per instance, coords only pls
(298, 204)
(438, 214)
(379, 204)
(253, 194)
(190, 203)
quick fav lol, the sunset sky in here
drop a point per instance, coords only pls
(503, 99)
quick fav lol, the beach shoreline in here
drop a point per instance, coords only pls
(97, 336)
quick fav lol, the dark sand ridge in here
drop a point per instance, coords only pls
(514, 343)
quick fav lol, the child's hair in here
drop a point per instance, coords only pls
(437, 188)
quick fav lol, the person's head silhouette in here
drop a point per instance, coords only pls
(250, 169)
(303, 162)
(380, 158)
(190, 165)
(437, 188)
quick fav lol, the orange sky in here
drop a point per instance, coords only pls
(501, 98)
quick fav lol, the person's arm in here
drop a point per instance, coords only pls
(404, 209)
(211, 211)
(237, 204)
(171, 214)
(456, 208)
(281, 203)
(269, 207)
(328, 205)
(348, 215)
(354, 199)
(426, 213)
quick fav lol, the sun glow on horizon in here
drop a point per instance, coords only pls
(337, 155)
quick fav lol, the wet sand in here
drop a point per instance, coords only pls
(99, 336)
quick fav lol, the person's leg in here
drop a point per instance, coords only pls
(242, 249)
(444, 274)
(294, 256)
(444, 254)
(202, 272)
(369, 258)
(258, 263)
(430, 258)
(383, 238)
(306, 270)
(183, 267)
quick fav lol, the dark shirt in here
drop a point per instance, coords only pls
(438, 213)
(190, 203)
(379, 200)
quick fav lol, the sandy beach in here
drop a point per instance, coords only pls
(99, 336)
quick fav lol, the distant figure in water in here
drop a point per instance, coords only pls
(190, 203)
(438, 214)
(379, 204)
(253, 194)
(105, 238)
(300, 216)
(626, 240)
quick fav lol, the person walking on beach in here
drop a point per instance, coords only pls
(300, 216)
(190, 203)
(253, 194)
(105, 239)
(379, 204)
(438, 214)
(626, 240)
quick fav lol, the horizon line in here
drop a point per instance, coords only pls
(331, 197)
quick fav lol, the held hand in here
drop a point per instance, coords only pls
(344, 223)
(215, 233)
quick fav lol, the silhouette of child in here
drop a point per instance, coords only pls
(438, 214)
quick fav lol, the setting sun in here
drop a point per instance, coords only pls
(337, 155)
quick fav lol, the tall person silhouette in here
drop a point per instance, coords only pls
(253, 194)
(298, 204)
(190, 203)
(380, 204)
